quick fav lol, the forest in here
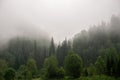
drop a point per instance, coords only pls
(92, 54)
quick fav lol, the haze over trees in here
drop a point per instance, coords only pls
(91, 54)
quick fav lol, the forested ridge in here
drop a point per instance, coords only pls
(92, 54)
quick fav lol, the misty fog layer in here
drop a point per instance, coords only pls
(58, 18)
(90, 49)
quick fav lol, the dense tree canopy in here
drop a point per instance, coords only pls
(95, 51)
(9, 74)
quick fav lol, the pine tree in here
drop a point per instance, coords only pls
(52, 48)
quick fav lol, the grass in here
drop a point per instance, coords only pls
(37, 79)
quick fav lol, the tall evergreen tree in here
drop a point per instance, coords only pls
(62, 51)
(52, 48)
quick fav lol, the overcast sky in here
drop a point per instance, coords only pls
(58, 18)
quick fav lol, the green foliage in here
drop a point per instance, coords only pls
(50, 69)
(99, 45)
(62, 51)
(1, 76)
(9, 74)
(20, 49)
(89, 42)
(50, 66)
(100, 66)
(85, 72)
(32, 67)
(91, 70)
(111, 61)
(97, 78)
(73, 65)
(118, 68)
(21, 74)
(3, 67)
(60, 73)
(25, 76)
(24, 73)
(28, 75)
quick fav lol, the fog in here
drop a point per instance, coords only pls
(55, 18)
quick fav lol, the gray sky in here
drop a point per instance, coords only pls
(58, 18)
